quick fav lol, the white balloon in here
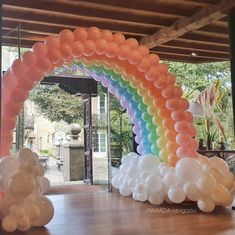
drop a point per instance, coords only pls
(115, 171)
(142, 196)
(115, 181)
(125, 189)
(149, 163)
(188, 169)
(9, 223)
(220, 194)
(156, 198)
(153, 183)
(192, 192)
(206, 184)
(139, 188)
(44, 184)
(46, 209)
(206, 205)
(203, 160)
(164, 170)
(219, 164)
(176, 194)
(170, 179)
(21, 185)
(132, 172)
(25, 155)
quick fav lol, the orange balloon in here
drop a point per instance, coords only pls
(52, 41)
(89, 48)
(178, 91)
(159, 103)
(172, 159)
(171, 146)
(189, 117)
(40, 49)
(152, 74)
(93, 33)
(35, 74)
(173, 104)
(132, 43)
(169, 92)
(107, 35)
(80, 34)
(171, 79)
(66, 36)
(164, 113)
(194, 144)
(119, 39)
(192, 130)
(183, 104)
(29, 58)
(66, 51)
(168, 123)
(170, 135)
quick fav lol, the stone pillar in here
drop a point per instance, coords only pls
(73, 156)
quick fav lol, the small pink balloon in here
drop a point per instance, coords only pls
(182, 152)
(89, 48)
(66, 36)
(93, 33)
(18, 68)
(40, 49)
(52, 41)
(182, 127)
(178, 115)
(29, 58)
(183, 140)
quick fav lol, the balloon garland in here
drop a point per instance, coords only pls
(164, 128)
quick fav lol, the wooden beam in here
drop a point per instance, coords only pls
(232, 57)
(187, 24)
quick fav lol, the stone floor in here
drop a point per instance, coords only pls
(100, 172)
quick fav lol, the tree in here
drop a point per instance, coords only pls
(56, 104)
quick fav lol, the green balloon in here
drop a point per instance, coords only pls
(155, 149)
(142, 107)
(151, 127)
(152, 138)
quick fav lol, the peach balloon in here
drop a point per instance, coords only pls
(35, 74)
(18, 68)
(171, 79)
(132, 43)
(183, 104)
(172, 159)
(29, 58)
(162, 82)
(101, 46)
(159, 103)
(182, 152)
(143, 50)
(183, 140)
(89, 48)
(107, 35)
(93, 33)
(182, 127)
(194, 145)
(135, 57)
(154, 59)
(144, 65)
(179, 115)
(44, 64)
(153, 73)
(171, 146)
(66, 36)
(66, 51)
(80, 34)
(119, 39)
(164, 113)
(54, 55)
(169, 92)
(178, 92)
(52, 41)
(77, 49)
(112, 50)
(192, 131)
(168, 123)
(189, 116)
(173, 104)
(123, 52)
(40, 49)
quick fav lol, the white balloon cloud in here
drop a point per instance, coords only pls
(205, 181)
(22, 184)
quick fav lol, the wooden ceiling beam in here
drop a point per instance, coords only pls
(187, 24)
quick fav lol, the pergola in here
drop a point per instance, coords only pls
(193, 31)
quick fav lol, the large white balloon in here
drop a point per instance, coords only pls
(156, 198)
(170, 179)
(206, 205)
(46, 209)
(188, 169)
(149, 163)
(153, 183)
(206, 184)
(176, 194)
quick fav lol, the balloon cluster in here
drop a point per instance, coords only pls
(154, 101)
(206, 181)
(22, 184)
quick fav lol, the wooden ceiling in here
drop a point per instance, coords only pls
(178, 30)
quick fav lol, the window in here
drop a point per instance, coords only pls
(99, 142)
(102, 103)
(102, 142)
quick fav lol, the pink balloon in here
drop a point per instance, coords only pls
(183, 104)
(40, 49)
(29, 58)
(173, 104)
(18, 68)
(189, 116)
(178, 115)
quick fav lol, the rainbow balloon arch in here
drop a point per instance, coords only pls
(167, 166)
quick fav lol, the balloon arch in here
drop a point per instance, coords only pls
(168, 167)
(154, 102)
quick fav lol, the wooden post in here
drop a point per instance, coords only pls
(232, 57)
